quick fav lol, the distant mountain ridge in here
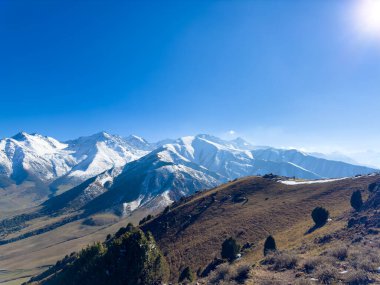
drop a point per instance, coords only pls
(106, 171)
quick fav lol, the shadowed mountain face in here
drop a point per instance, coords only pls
(126, 173)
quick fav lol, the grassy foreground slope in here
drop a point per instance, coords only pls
(190, 233)
(249, 210)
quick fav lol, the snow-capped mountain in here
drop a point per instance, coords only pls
(139, 143)
(214, 154)
(97, 153)
(41, 157)
(189, 164)
(33, 158)
(105, 171)
(322, 168)
(237, 158)
(162, 176)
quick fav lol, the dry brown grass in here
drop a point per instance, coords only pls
(365, 259)
(230, 274)
(192, 233)
(339, 252)
(326, 274)
(312, 263)
(357, 277)
(281, 260)
(304, 281)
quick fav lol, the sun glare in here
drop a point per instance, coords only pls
(367, 14)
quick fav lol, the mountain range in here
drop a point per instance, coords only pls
(109, 172)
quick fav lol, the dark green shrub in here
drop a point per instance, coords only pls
(269, 245)
(186, 275)
(124, 230)
(356, 200)
(230, 249)
(167, 209)
(320, 216)
(242, 273)
(144, 220)
(133, 258)
(373, 186)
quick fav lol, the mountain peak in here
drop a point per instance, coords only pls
(20, 136)
(24, 136)
(241, 143)
(136, 138)
(138, 142)
(102, 135)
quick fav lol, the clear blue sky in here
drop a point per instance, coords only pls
(285, 73)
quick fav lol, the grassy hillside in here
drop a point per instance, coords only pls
(190, 233)
(249, 210)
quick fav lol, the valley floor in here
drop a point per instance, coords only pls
(28, 257)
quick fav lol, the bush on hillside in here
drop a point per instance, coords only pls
(320, 216)
(269, 245)
(123, 230)
(310, 264)
(373, 186)
(166, 210)
(326, 274)
(242, 272)
(340, 252)
(356, 200)
(144, 220)
(133, 258)
(230, 249)
(186, 275)
(281, 260)
(230, 274)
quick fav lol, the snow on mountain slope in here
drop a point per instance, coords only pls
(162, 173)
(82, 194)
(157, 179)
(230, 162)
(240, 143)
(100, 152)
(215, 155)
(41, 157)
(106, 171)
(139, 143)
(322, 167)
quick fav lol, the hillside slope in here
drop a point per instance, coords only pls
(248, 209)
(191, 231)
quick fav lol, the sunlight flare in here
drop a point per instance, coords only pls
(367, 17)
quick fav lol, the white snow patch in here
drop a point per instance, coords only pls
(293, 182)
(131, 206)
